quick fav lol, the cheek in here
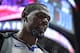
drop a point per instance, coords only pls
(36, 22)
(33, 25)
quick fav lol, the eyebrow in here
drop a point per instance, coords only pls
(42, 14)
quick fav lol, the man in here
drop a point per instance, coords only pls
(35, 19)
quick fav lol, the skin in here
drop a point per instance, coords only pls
(38, 21)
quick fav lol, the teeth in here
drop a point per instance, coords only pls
(42, 28)
(42, 34)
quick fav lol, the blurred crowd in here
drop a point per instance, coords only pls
(15, 2)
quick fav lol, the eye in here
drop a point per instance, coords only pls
(41, 16)
(48, 17)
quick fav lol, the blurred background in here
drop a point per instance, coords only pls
(62, 35)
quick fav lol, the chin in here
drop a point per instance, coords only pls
(42, 33)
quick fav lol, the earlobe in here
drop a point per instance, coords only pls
(25, 22)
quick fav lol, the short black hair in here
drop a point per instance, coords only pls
(31, 7)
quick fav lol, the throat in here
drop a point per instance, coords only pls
(28, 39)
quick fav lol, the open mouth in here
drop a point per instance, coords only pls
(42, 29)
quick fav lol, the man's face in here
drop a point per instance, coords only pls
(39, 21)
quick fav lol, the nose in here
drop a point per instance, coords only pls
(45, 21)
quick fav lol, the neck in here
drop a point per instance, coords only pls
(27, 37)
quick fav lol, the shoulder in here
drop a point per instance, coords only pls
(7, 44)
